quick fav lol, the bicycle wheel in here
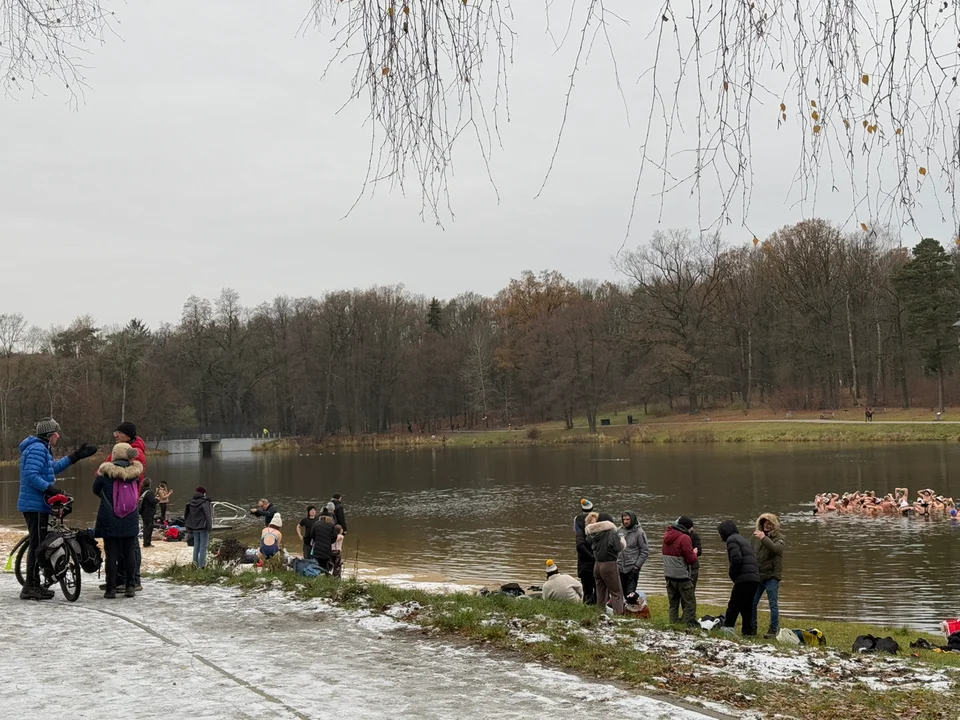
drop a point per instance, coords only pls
(70, 580)
(19, 561)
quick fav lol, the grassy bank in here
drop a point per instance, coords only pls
(651, 656)
(662, 433)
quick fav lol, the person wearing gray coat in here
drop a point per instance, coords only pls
(635, 553)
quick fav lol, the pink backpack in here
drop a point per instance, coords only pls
(126, 497)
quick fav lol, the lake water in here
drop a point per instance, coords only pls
(497, 514)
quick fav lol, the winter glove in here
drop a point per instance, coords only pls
(84, 451)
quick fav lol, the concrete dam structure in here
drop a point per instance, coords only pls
(208, 445)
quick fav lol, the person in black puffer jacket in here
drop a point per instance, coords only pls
(606, 545)
(745, 574)
(322, 537)
(585, 560)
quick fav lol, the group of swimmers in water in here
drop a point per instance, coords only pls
(895, 503)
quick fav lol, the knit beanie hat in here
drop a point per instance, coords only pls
(123, 451)
(201, 490)
(330, 508)
(47, 427)
(128, 429)
(552, 568)
(586, 505)
(276, 521)
(686, 522)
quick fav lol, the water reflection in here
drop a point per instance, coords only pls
(497, 514)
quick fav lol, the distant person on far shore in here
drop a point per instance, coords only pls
(745, 574)
(561, 587)
(305, 529)
(584, 554)
(679, 557)
(265, 510)
(339, 517)
(635, 552)
(606, 545)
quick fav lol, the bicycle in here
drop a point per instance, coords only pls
(62, 565)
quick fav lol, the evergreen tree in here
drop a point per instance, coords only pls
(435, 315)
(928, 286)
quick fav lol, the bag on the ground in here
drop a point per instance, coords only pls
(126, 497)
(710, 622)
(53, 552)
(888, 644)
(512, 589)
(788, 637)
(869, 643)
(811, 636)
(172, 534)
(91, 558)
(306, 568)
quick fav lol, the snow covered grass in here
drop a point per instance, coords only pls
(751, 676)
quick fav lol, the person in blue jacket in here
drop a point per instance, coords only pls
(37, 475)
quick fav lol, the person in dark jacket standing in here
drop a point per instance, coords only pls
(745, 574)
(119, 533)
(769, 545)
(38, 472)
(635, 552)
(679, 557)
(198, 519)
(606, 545)
(322, 537)
(148, 511)
(698, 549)
(585, 554)
(305, 529)
(338, 515)
(265, 510)
(126, 432)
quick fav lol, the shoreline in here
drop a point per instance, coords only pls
(727, 674)
(723, 432)
(730, 675)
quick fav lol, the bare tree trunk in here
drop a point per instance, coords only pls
(855, 387)
(749, 367)
(878, 385)
(940, 390)
(902, 369)
(592, 421)
(123, 398)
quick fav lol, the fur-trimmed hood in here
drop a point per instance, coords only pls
(598, 527)
(772, 519)
(121, 470)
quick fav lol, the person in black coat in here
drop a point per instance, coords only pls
(338, 516)
(745, 574)
(148, 511)
(119, 533)
(322, 536)
(585, 561)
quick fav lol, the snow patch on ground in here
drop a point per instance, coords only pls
(222, 652)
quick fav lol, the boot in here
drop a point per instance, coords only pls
(30, 592)
(139, 587)
(771, 634)
(110, 594)
(131, 591)
(46, 593)
(103, 586)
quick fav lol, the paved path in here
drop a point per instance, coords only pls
(215, 653)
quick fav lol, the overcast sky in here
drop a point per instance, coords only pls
(208, 154)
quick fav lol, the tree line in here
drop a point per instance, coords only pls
(809, 318)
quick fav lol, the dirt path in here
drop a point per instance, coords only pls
(214, 653)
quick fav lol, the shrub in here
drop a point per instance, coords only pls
(534, 433)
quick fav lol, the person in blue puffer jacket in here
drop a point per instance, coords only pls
(38, 472)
